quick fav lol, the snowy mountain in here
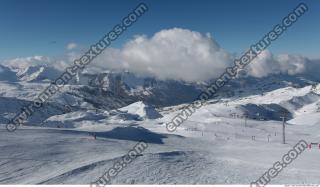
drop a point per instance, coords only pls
(257, 98)
(38, 73)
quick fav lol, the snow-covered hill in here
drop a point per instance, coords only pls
(142, 110)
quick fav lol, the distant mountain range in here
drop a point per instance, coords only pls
(109, 90)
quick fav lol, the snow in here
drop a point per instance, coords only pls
(214, 146)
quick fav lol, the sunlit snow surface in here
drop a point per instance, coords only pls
(214, 146)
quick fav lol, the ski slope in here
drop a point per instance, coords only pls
(207, 150)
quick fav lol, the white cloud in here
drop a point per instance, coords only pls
(71, 46)
(266, 64)
(181, 54)
(178, 54)
(18, 63)
(27, 61)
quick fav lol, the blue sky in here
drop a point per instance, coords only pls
(45, 27)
